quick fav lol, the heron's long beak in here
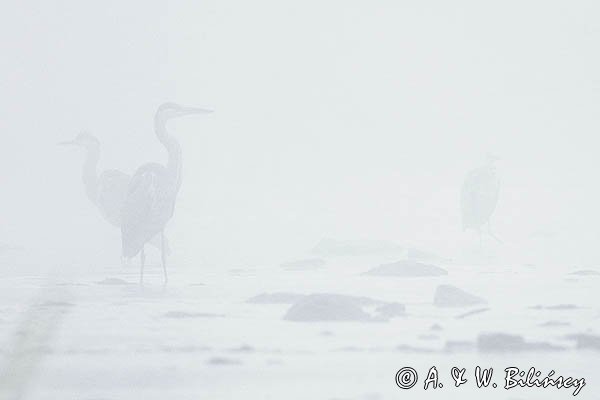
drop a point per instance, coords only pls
(195, 110)
(67, 143)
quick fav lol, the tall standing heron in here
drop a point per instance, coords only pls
(108, 190)
(152, 192)
(479, 197)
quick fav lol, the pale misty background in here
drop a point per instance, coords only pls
(349, 120)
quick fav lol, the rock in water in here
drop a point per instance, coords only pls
(499, 342)
(505, 343)
(327, 307)
(586, 341)
(391, 310)
(407, 269)
(451, 296)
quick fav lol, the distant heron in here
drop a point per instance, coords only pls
(108, 190)
(152, 192)
(479, 197)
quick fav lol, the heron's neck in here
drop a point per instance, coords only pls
(173, 149)
(90, 177)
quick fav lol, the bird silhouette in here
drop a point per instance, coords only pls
(108, 190)
(152, 191)
(479, 197)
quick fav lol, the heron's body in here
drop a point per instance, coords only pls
(149, 205)
(479, 197)
(107, 190)
(152, 192)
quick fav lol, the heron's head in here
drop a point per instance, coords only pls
(84, 139)
(166, 111)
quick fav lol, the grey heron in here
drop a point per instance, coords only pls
(108, 190)
(152, 192)
(479, 197)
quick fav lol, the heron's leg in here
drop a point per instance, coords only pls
(142, 262)
(163, 255)
(492, 233)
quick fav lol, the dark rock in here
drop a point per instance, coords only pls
(391, 310)
(451, 296)
(329, 307)
(505, 343)
(586, 341)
